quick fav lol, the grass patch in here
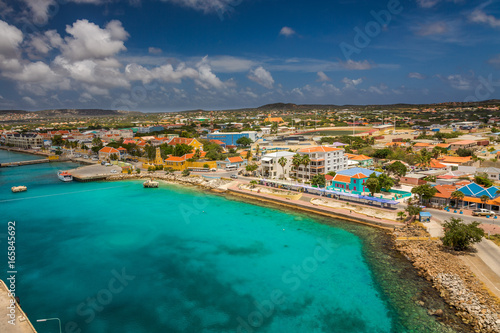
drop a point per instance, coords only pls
(495, 239)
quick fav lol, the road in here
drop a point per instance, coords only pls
(485, 263)
(444, 215)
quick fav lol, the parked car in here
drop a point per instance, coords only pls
(114, 171)
(482, 212)
(213, 169)
(234, 176)
(107, 164)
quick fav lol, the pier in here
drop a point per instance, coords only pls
(95, 172)
(12, 164)
(21, 323)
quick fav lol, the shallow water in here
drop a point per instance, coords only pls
(115, 257)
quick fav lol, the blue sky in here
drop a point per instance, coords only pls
(166, 55)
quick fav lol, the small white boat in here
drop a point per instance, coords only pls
(150, 184)
(16, 189)
(64, 176)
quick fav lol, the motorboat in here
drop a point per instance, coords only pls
(64, 176)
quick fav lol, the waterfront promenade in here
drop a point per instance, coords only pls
(22, 323)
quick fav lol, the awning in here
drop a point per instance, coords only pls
(425, 214)
(267, 159)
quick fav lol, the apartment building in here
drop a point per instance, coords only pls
(323, 160)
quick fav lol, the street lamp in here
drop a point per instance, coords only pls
(42, 320)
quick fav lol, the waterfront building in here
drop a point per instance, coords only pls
(106, 152)
(323, 159)
(270, 168)
(363, 160)
(27, 141)
(230, 139)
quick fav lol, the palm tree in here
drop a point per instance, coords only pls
(296, 162)
(283, 161)
(457, 195)
(249, 154)
(257, 150)
(484, 199)
(305, 160)
(401, 215)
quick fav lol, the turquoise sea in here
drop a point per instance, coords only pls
(115, 257)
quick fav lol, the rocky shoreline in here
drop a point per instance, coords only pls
(217, 184)
(457, 285)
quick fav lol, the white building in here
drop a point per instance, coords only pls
(270, 168)
(323, 160)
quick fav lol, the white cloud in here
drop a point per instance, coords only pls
(287, 31)
(10, 40)
(432, 3)
(479, 16)
(206, 78)
(415, 75)
(495, 61)
(435, 28)
(457, 81)
(89, 41)
(351, 82)
(322, 77)
(262, 77)
(154, 50)
(207, 6)
(229, 64)
(356, 65)
(29, 100)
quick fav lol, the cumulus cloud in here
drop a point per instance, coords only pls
(322, 77)
(154, 50)
(356, 65)
(415, 75)
(10, 41)
(206, 78)
(89, 41)
(479, 16)
(262, 77)
(351, 82)
(287, 32)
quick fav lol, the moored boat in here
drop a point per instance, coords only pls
(150, 184)
(16, 189)
(64, 176)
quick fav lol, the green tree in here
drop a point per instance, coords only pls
(484, 199)
(413, 210)
(457, 195)
(397, 168)
(401, 215)
(96, 144)
(206, 166)
(438, 151)
(463, 152)
(150, 152)
(274, 127)
(283, 161)
(424, 192)
(424, 158)
(305, 160)
(244, 141)
(385, 182)
(373, 184)
(459, 235)
(57, 140)
(182, 149)
(482, 179)
(331, 173)
(318, 180)
(251, 167)
(185, 173)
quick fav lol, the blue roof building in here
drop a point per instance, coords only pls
(353, 171)
(476, 191)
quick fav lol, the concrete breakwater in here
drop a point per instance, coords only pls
(458, 286)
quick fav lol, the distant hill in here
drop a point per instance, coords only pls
(72, 113)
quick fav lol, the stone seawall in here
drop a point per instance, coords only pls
(459, 287)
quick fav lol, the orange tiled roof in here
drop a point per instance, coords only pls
(443, 145)
(422, 144)
(109, 150)
(359, 176)
(175, 158)
(342, 178)
(463, 142)
(455, 159)
(177, 141)
(235, 159)
(361, 158)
